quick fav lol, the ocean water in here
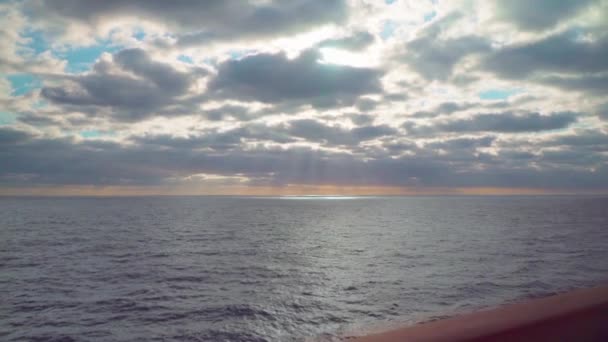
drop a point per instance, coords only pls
(281, 269)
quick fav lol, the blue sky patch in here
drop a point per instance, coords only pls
(80, 59)
(22, 84)
(185, 59)
(389, 2)
(388, 29)
(7, 118)
(139, 35)
(93, 133)
(238, 54)
(497, 94)
(90, 134)
(36, 43)
(429, 16)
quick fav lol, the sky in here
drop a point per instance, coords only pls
(263, 97)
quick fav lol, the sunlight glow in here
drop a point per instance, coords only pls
(319, 197)
(343, 57)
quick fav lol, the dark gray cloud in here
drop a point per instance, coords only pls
(565, 52)
(198, 21)
(295, 130)
(152, 160)
(434, 57)
(396, 147)
(394, 97)
(64, 161)
(589, 84)
(317, 131)
(564, 60)
(584, 141)
(273, 78)
(570, 156)
(37, 120)
(164, 76)
(445, 108)
(602, 111)
(506, 122)
(356, 42)
(366, 105)
(580, 150)
(453, 107)
(212, 140)
(360, 119)
(512, 102)
(236, 112)
(448, 108)
(511, 123)
(463, 143)
(145, 87)
(424, 114)
(10, 136)
(539, 14)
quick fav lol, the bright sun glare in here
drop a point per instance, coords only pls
(343, 57)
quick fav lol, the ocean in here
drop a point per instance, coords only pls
(282, 269)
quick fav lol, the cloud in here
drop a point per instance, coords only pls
(503, 122)
(131, 85)
(10, 136)
(148, 162)
(196, 22)
(602, 111)
(225, 112)
(453, 107)
(445, 108)
(274, 78)
(217, 140)
(590, 84)
(356, 42)
(565, 60)
(539, 14)
(63, 161)
(177, 93)
(360, 119)
(565, 52)
(34, 119)
(164, 76)
(463, 143)
(366, 105)
(16, 52)
(585, 141)
(433, 56)
(316, 131)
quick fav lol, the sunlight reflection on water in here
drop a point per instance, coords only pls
(316, 197)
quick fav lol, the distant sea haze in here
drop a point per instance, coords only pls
(282, 269)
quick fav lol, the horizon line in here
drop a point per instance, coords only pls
(287, 191)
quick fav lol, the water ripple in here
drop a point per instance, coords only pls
(263, 269)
